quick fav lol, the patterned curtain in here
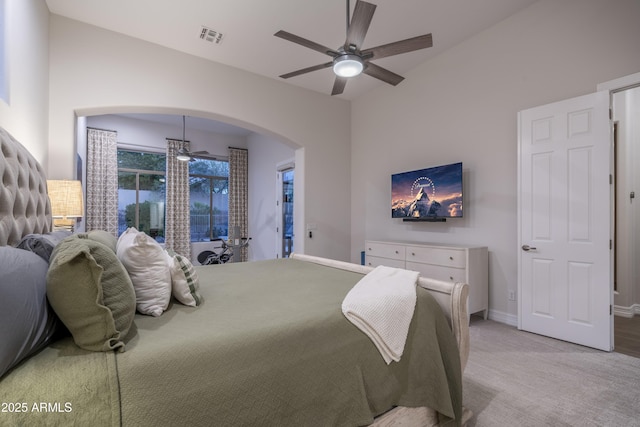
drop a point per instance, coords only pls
(102, 180)
(238, 195)
(177, 216)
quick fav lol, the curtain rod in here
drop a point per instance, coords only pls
(139, 147)
(236, 148)
(106, 130)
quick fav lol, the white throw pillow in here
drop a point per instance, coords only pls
(185, 283)
(145, 261)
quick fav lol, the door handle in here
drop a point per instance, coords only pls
(528, 248)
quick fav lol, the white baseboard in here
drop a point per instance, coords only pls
(502, 317)
(512, 319)
(626, 311)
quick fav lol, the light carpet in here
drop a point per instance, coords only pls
(516, 378)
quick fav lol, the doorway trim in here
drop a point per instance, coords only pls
(616, 86)
(620, 84)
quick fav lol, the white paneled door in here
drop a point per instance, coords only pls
(564, 210)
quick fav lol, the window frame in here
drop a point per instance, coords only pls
(211, 179)
(137, 171)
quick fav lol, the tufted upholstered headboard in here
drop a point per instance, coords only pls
(24, 204)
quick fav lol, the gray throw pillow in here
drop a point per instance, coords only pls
(27, 322)
(43, 244)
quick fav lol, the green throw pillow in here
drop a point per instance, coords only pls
(91, 292)
(104, 237)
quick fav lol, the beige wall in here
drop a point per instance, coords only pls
(94, 71)
(265, 154)
(462, 106)
(25, 116)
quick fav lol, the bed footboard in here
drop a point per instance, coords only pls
(452, 297)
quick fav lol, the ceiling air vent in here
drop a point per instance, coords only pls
(211, 36)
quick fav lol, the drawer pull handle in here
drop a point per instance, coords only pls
(451, 258)
(413, 253)
(451, 277)
(396, 251)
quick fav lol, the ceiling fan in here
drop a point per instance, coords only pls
(350, 59)
(188, 156)
(183, 154)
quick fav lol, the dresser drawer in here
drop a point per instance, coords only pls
(449, 263)
(446, 274)
(385, 250)
(439, 256)
(374, 261)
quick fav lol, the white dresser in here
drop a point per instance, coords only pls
(456, 263)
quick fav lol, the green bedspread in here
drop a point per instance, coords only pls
(62, 385)
(274, 349)
(269, 347)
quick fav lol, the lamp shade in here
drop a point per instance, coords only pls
(66, 198)
(347, 65)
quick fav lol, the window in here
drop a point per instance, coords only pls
(209, 192)
(142, 191)
(4, 79)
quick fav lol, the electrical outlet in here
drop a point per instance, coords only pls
(512, 295)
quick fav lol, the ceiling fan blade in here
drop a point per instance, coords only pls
(338, 85)
(402, 46)
(383, 74)
(362, 16)
(306, 43)
(307, 70)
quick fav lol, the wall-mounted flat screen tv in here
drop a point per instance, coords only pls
(430, 193)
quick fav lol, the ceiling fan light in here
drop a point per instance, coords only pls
(183, 156)
(347, 65)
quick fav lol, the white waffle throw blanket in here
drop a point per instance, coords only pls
(381, 305)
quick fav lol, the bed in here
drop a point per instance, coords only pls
(269, 344)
